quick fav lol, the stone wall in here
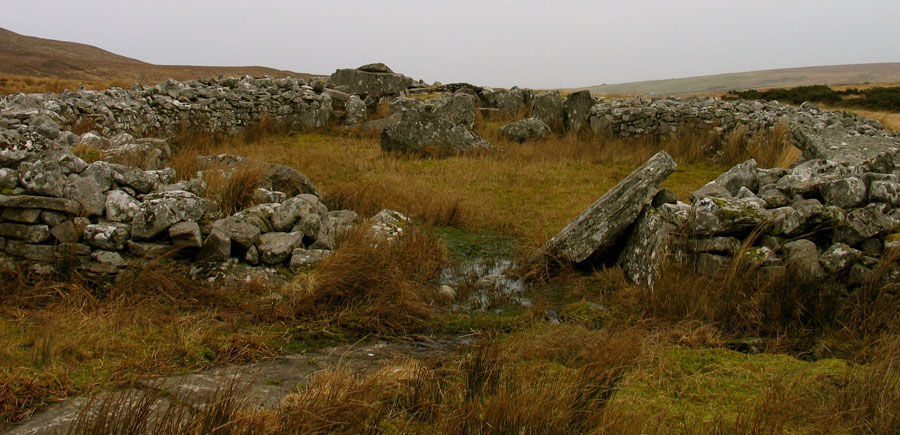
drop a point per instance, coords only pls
(220, 105)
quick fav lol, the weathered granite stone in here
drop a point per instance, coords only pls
(421, 132)
(508, 100)
(459, 109)
(251, 256)
(87, 193)
(713, 216)
(550, 108)
(710, 190)
(578, 108)
(740, 175)
(885, 191)
(27, 233)
(355, 109)
(149, 250)
(599, 227)
(52, 218)
(804, 257)
(101, 173)
(839, 257)
(186, 235)
(120, 206)
(108, 257)
(305, 258)
(861, 224)
(161, 210)
(65, 232)
(401, 104)
(366, 83)
(334, 225)
(297, 214)
(839, 144)
(216, 247)
(525, 130)
(43, 177)
(110, 236)
(844, 192)
(647, 248)
(388, 225)
(275, 248)
(23, 215)
(243, 234)
(377, 67)
(9, 178)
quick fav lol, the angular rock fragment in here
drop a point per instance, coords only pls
(599, 227)
(274, 248)
(525, 130)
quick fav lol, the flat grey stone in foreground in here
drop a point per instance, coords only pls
(599, 227)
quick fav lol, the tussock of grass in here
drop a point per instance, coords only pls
(232, 188)
(374, 285)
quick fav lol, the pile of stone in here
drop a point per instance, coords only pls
(821, 218)
(58, 210)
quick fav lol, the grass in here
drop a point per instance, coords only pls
(10, 84)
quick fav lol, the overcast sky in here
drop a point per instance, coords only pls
(541, 44)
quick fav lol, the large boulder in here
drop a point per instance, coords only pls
(421, 132)
(599, 228)
(840, 144)
(459, 109)
(508, 100)
(161, 210)
(550, 108)
(369, 82)
(525, 130)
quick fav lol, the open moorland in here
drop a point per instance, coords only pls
(370, 254)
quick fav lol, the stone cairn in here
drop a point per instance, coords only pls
(834, 212)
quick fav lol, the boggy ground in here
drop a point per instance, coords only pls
(578, 351)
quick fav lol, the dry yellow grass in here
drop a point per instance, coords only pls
(10, 84)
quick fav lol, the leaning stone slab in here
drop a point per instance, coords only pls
(600, 226)
(46, 203)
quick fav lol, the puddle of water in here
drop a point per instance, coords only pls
(490, 282)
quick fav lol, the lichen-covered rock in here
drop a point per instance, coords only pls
(242, 233)
(44, 177)
(9, 178)
(186, 235)
(421, 132)
(305, 258)
(508, 100)
(370, 83)
(161, 210)
(810, 175)
(297, 214)
(861, 224)
(216, 247)
(805, 216)
(42, 202)
(120, 206)
(714, 216)
(111, 236)
(275, 248)
(459, 109)
(525, 130)
(280, 178)
(647, 248)
(27, 233)
(334, 225)
(388, 225)
(804, 257)
(578, 109)
(135, 178)
(846, 192)
(599, 227)
(740, 175)
(549, 107)
(87, 193)
(355, 109)
(885, 191)
(839, 257)
(402, 104)
(21, 215)
(720, 245)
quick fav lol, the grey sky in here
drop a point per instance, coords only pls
(560, 43)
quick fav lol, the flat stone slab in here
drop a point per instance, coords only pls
(599, 227)
(43, 202)
(840, 145)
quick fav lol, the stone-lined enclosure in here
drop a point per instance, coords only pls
(58, 209)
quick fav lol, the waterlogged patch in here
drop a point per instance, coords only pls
(467, 245)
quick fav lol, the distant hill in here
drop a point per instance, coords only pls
(773, 78)
(29, 56)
